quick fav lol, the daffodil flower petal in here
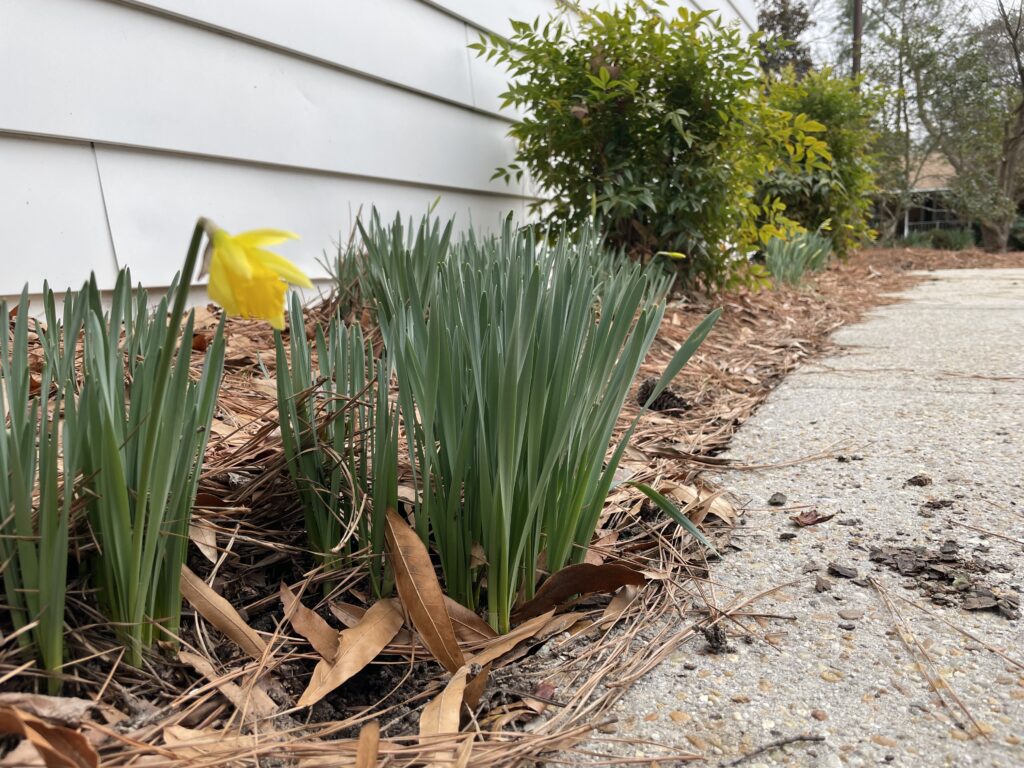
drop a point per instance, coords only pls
(263, 297)
(260, 238)
(248, 281)
(232, 254)
(219, 288)
(281, 266)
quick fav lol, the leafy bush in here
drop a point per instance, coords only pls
(789, 260)
(654, 126)
(144, 425)
(340, 439)
(837, 197)
(511, 379)
(39, 460)
(953, 239)
(941, 239)
(920, 239)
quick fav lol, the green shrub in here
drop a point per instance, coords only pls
(920, 239)
(789, 260)
(144, 426)
(511, 379)
(39, 460)
(340, 439)
(952, 239)
(838, 197)
(655, 126)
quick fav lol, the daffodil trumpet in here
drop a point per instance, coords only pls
(246, 279)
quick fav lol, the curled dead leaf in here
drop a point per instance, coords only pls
(357, 647)
(219, 612)
(440, 717)
(191, 743)
(809, 517)
(308, 623)
(205, 539)
(251, 701)
(421, 593)
(56, 745)
(502, 644)
(580, 579)
(369, 745)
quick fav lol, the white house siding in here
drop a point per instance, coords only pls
(121, 121)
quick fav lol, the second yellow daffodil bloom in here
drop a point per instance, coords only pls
(246, 279)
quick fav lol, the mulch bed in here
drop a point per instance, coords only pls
(549, 686)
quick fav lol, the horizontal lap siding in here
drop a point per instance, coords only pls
(123, 120)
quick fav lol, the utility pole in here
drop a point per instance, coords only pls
(858, 33)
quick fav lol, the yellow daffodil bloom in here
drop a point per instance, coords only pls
(247, 280)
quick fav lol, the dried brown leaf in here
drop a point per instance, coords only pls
(57, 746)
(501, 645)
(218, 611)
(701, 503)
(441, 714)
(346, 613)
(809, 517)
(619, 603)
(205, 539)
(440, 717)
(251, 701)
(475, 687)
(321, 635)
(421, 593)
(357, 647)
(63, 710)
(369, 745)
(579, 579)
(469, 627)
(192, 743)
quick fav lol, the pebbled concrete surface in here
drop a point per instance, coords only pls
(932, 386)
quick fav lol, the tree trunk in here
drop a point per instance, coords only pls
(995, 235)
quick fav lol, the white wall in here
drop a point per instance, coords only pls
(121, 121)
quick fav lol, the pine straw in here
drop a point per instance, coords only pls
(548, 692)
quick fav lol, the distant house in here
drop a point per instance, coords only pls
(121, 121)
(931, 208)
(930, 203)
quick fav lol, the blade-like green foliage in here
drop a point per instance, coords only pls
(39, 460)
(669, 508)
(145, 425)
(340, 439)
(789, 260)
(512, 368)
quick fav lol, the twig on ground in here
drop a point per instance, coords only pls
(773, 745)
(989, 533)
(964, 632)
(934, 677)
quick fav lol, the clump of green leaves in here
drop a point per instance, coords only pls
(654, 125)
(789, 260)
(511, 376)
(952, 239)
(40, 453)
(837, 195)
(144, 426)
(340, 436)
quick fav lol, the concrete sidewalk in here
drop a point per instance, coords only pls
(931, 391)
